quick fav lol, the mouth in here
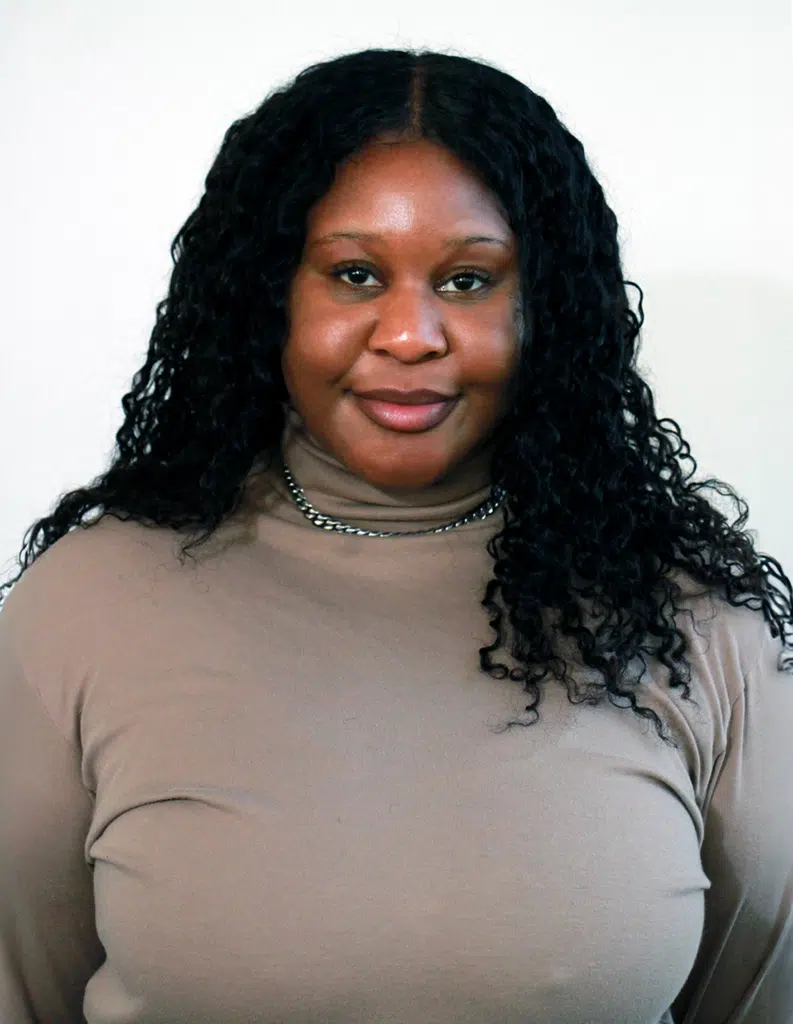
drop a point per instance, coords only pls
(408, 419)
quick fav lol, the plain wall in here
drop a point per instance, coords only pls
(111, 112)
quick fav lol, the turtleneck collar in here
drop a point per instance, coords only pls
(336, 491)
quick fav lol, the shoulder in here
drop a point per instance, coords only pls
(727, 642)
(85, 569)
(79, 599)
(735, 662)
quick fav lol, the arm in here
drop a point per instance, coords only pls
(48, 943)
(744, 970)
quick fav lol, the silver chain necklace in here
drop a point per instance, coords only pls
(487, 508)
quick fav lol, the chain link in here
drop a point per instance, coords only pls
(487, 508)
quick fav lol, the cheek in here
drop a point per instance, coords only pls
(490, 341)
(489, 360)
(317, 351)
(322, 340)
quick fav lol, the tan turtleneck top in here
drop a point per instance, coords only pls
(269, 787)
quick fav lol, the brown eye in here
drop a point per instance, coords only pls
(465, 281)
(470, 277)
(357, 273)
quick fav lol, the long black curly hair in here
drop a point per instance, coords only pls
(598, 508)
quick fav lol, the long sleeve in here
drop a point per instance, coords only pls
(744, 970)
(48, 943)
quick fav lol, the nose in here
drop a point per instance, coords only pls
(409, 325)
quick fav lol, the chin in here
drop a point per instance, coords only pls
(397, 478)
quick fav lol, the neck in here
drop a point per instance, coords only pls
(336, 491)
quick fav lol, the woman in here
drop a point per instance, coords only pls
(273, 781)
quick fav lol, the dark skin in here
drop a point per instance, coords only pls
(403, 310)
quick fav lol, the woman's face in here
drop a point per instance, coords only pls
(417, 299)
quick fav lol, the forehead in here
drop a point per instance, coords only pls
(406, 185)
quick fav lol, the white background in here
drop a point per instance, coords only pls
(112, 110)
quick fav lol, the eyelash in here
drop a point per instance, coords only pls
(480, 275)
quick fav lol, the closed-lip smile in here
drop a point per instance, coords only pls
(406, 412)
(422, 396)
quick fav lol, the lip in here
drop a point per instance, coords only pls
(417, 396)
(408, 419)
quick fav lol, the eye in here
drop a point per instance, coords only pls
(357, 271)
(465, 281)
(469, 277)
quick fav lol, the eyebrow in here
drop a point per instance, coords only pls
(370, 236)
